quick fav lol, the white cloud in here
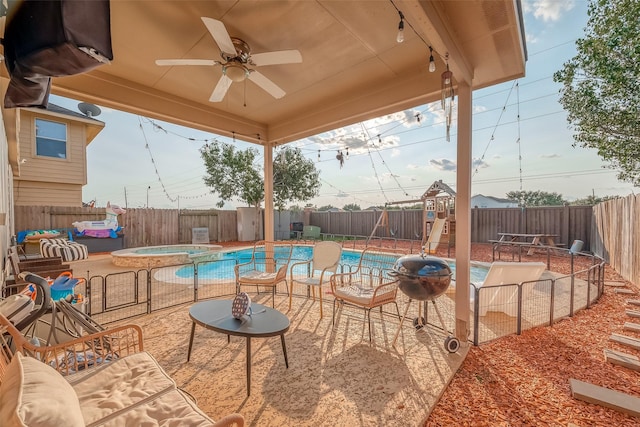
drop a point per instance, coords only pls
(550, 156)
(479, 164)
(548, 10)
(443, 164)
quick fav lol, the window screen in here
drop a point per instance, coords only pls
(51, 139)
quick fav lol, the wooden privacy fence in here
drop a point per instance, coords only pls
(142, 227)
(616, 235)
(568, 222)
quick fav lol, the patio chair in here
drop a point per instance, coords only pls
(369, 286)
(267, 267)
(316, 271)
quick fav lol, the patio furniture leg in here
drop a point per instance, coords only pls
(368, 315)
(320, 292)
(284, 351)
(290, 292)
(248, 366)
(193, 329)
(333, 317)
(404, 315)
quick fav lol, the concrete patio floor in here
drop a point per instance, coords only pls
(335, 375)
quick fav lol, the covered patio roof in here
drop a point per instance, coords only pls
(352, 69)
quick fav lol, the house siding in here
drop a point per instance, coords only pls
(49, 181)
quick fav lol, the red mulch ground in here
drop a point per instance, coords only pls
(524, 380)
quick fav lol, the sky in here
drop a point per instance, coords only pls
(137, 162)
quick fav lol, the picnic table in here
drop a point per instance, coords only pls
(531, 241)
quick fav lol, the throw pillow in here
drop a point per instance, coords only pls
(34, 394)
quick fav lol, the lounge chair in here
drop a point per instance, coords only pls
(66, 249)
(501, 286)
(317, 270)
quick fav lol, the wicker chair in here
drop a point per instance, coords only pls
(317, 270)
(369, 286)
(267, 267)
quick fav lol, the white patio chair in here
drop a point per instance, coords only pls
(316, 271)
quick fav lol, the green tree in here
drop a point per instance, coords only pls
(295, 178)
(601, 86)
(231, 173)
(536, 198)
(591, 200)
(351, 207)
(234, 173)
(325, 208)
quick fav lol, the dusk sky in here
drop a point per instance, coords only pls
(395, 157)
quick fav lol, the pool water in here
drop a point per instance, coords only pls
(223, 268)
(170, 250)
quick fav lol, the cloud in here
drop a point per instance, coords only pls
(550, 156)
(548, 10)
(355, 142)
(443, 164)
(479, 164)
(342, 194)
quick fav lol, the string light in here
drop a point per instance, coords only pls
(432, 62)
(400, 36)
(347, 154)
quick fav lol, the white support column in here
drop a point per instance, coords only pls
(268, 192)
(463, 212)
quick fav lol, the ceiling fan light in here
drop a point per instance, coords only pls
(235, 72)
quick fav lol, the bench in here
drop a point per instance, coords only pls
(516, 248)
(105, 378)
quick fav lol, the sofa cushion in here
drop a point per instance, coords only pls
(34, 394)
(125, 391)
(170, 409)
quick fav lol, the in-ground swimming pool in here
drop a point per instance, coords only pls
(223, 267)
(159, 256)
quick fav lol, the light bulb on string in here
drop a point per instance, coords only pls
(432, 62)
(400, 36)
(318, 155)
(347, 153)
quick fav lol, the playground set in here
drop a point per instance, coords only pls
(438, 219)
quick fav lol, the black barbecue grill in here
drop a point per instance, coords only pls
(424, 278)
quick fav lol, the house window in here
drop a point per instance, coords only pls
(51, 139)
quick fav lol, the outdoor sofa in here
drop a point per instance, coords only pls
(101, 379)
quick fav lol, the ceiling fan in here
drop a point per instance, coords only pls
(237, 62)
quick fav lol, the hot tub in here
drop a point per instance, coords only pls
(160, 256)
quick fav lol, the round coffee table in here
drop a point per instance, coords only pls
(264, 322)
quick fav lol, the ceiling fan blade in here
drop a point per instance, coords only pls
(266, 84)
(220, 35)
(186, 62)
(277, 57)
(221, 89)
